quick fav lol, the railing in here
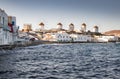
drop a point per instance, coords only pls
(5, 27)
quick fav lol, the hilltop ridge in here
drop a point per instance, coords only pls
(113, 32)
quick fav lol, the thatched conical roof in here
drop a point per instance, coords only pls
(71, 24)
(59, 24)
(41, 24)
(83, 24)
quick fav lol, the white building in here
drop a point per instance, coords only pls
(13, 27)
(7, 28)
(62, 36)
(58, 37)
(80, 38)
(107, 39)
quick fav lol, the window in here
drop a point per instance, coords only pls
(3, 20)
(59, 36)
(0, 30)
(0, 19)
(6, 34)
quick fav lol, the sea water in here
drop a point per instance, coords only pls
(62, 61)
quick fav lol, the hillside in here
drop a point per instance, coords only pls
(113, 32)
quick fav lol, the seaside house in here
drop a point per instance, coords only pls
(57, 37)
(107, 38)
(63, 36)
(8, 29)
(80, 38)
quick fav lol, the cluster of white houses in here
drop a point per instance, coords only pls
(61, 35)
(8, 29)
(65, 37)
(9, 32)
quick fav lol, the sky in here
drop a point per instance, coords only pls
(103, 13)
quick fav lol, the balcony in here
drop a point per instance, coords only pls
(6, 28)
(1, 25)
